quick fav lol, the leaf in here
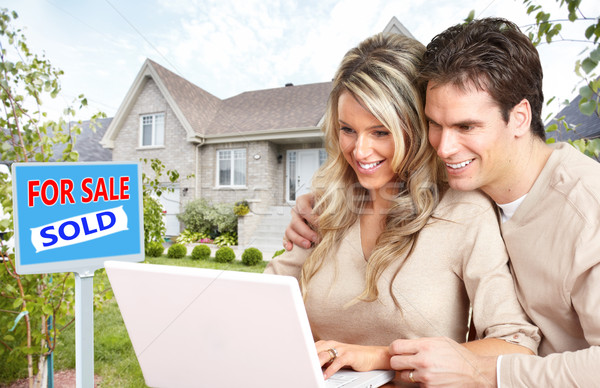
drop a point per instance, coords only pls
(586, 92)
(588, 65)
(552, 128)
(592, 148)
(595, 55)
(470, 17)
(590, 31)
(587, 107)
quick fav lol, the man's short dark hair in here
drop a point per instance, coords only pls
(493, 55)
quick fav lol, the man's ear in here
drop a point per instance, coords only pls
(520, 118)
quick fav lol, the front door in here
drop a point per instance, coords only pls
(301, 167)
(170, 202)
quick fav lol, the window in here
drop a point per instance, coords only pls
(231, 167)
(152, 132)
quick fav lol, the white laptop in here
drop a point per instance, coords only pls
(193, 327)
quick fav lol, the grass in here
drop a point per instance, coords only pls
(114, 358)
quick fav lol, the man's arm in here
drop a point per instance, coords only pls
(567, 369)
(444, 362)
(298, 231)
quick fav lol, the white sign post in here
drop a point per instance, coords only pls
(71, 217)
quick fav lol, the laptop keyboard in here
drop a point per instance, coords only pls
(339, 380)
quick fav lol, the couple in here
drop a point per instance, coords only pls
(401, 255)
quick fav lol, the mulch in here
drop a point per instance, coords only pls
(62, 379)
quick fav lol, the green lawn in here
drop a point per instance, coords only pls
(114, 359)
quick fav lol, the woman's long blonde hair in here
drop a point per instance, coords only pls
(381, 72)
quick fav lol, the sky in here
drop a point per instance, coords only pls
(227, 47)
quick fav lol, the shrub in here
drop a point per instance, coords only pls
(226, 239)
(177, 251)
(188, 237)
(241, 208)
(252, 256)
(201, 252)
(279, 252)
(222, 217)
(154, 224)
(154, 249)
(194, 216)
(200, 216)
(224, 255)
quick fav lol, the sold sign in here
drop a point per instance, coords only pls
(70, 217)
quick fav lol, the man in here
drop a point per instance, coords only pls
(483, 105)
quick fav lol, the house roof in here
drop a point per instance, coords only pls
(289, 107)
(87, 143)
(395, 27)
(196, 104)
(286, 112)
(280, 114)
(586, 126)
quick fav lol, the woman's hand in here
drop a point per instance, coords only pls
(358, 357)
(298, 231)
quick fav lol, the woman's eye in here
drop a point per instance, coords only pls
(346, 129)
(381, 133)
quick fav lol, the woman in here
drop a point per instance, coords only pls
(400, 255)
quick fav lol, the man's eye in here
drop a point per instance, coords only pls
(432, 124)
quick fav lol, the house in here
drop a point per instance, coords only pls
(585, 126)
(262, 146)
(87, 143)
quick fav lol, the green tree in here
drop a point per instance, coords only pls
(28, 301)
(153, 187)
(547, 30)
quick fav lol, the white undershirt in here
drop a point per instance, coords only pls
(507, 210)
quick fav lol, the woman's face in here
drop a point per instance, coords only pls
(367, 145)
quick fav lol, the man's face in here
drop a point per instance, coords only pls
(467, 131)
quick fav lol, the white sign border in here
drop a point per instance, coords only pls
(85, 267)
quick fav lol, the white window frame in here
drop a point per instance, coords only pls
(232, 167)
(157, 135)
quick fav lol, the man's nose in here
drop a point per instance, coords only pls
(447, 145)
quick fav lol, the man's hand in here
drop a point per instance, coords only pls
(436, 362)
(358, 357)
(298, 231)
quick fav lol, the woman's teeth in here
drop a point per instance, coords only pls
(459, 165)
(368, 166)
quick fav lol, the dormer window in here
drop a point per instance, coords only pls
(152, 130)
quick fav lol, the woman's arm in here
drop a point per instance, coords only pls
(358, 357)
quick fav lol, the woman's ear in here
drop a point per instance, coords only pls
(520, 118)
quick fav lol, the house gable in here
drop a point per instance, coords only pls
(395, 27)
(183, 98)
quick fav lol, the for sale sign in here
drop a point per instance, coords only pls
(71, 217)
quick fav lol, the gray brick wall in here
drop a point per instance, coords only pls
(265, 176)
(176, 154)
